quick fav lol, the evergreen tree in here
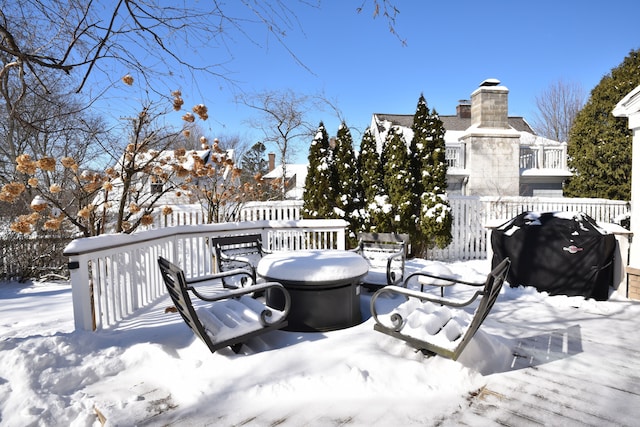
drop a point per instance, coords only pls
(253, 162)
(420, 148)
(376, 207)
(599, 143)
(398, 181)
(319, 200)
(432, 210)
(349, 191)
(435, 211)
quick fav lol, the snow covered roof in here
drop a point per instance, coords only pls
(455, 127)
(451, 123)
(527, 138)
(629, 105)
(297, 171)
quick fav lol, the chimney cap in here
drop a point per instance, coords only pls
(490, 82)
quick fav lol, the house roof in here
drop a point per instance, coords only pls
(451, 123)
(292, 169)
(297, 171)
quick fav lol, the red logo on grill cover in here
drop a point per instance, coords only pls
(573, 249)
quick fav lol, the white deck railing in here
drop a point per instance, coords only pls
(112, 276)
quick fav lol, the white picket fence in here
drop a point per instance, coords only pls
(471, 216)
(285, 210)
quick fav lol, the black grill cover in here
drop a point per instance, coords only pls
(560, 253)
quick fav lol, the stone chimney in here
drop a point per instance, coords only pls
(492, 148)
(463, 110)
(489, 105)
(272, 161)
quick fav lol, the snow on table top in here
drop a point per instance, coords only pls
(312, 265)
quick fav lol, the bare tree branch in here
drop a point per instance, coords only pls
(388, 11)
(558, 106)
(282, 118)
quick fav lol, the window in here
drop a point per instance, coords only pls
(156, 187)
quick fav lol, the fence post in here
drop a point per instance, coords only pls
(540, 151)
(341, 236)
(82, 297)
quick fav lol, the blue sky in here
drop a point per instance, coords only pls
(451, 47)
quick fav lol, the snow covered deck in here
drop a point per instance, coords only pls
(574, 362)
(545, 360)
(536, 360)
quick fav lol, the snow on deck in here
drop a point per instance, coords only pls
(571, 366)
(536, 360)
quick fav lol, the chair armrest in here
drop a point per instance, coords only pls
(234, 293)
(357, 249)
(392, 256)
(391, 279)
(287, 300)
(410, 293)
(265, 315)
(249, 271)
(225, 257)
(263, 251)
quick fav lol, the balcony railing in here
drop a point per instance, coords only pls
(551, 156)
(544, 156)
(454, 155)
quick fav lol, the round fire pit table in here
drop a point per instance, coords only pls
(324, 286)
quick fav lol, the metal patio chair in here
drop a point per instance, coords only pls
(232, 317)
(435, 324)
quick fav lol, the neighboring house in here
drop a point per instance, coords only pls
(148, 184)
(296, 175)
(488, 152)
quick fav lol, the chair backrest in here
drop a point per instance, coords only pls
(176, 284)
(246, 249)
(389, 241)
(246, 243)
(386, 254)
(490, 293)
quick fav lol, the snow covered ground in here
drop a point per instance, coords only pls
(536, 360)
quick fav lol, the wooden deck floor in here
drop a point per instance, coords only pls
(585, 371)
